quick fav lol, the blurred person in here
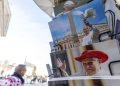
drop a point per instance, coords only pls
(16, 79)
(33, 79)
(87, 38)
(91, 34)
(39, 79)
(68, 6)
(2, 72)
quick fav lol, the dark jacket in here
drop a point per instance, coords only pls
(19, 76)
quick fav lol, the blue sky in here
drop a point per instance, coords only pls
(100, 15)
(57, 24)
(28, 35)
(59, 27)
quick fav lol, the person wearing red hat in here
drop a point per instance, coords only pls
(91, 60)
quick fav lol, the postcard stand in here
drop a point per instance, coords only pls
(80, 34)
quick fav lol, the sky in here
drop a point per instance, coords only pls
(59, 27)
(28, 35)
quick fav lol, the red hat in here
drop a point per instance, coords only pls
(93, 53)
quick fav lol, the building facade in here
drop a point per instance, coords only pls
(68, 41)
